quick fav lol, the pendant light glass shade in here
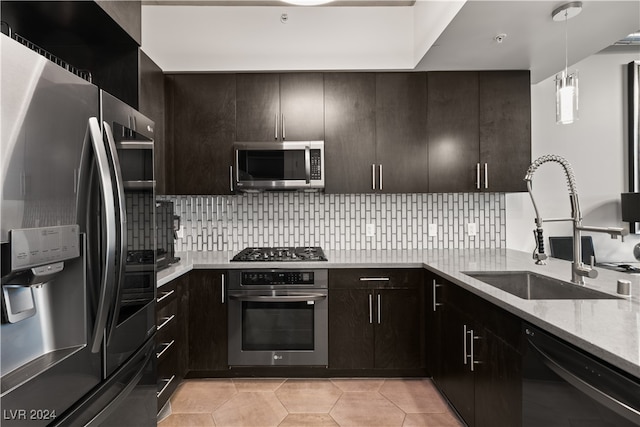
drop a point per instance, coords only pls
(566, 97)
(566, 83)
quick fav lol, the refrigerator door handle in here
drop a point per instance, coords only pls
(120, 224)
(108, 277)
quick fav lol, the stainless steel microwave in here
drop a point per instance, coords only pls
(279, 166)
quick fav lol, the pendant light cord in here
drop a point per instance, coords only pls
(566, 43)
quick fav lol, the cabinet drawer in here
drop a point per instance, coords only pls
(166, 294)
(167, 376)
(170, 309)
(375, 278)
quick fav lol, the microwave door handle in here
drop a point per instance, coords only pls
(122, 223)
(307, 163)
(108, 279)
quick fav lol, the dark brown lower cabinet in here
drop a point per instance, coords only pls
(351, 334)
(498, 383)
(171, 345)
(207, 322)
(456, 377)
(479, 363)
(376, 320)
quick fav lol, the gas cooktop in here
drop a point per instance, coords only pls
(286, 254)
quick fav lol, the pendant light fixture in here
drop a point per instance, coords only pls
(566, 83)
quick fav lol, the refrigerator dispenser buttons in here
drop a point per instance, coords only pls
(33, 247)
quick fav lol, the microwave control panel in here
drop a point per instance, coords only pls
(316, 165)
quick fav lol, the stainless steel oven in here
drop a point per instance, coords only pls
(278, 317)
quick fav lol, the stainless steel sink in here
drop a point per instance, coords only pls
(529, 285)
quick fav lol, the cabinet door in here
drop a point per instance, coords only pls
(452, 117)
(399, 329)
(498, 383)
(200, 133)
(302, 106)
(505, 129)
(152, 105)
(401, 130)
(433, 310)
(456, 379)
(207, 321)
(350, 132)
(351, 329)
(258, 107)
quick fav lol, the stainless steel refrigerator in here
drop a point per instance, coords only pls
(78, 250)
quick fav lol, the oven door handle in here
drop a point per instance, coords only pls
(279, 298)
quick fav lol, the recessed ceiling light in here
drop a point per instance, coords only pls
(307, 2)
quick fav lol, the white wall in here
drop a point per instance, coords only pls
(595, 145)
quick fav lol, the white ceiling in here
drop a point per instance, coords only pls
(217, 35)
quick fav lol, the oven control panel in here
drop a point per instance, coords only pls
(274, 278)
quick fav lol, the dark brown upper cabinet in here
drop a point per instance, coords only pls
(200, 133)
(128, 14)
(86, 35)
(505, 129)
(279, 107)
(401, 129)
(452, 117)
(350, 132)
(152, 105)
(375, 132)
(479, 130)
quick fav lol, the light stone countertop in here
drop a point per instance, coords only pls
(608, 329)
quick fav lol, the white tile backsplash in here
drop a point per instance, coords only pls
(338, 221)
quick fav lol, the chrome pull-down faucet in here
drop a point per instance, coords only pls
(579, 270)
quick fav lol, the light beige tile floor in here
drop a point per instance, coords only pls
(271, 402)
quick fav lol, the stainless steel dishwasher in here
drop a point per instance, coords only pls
(564, 386)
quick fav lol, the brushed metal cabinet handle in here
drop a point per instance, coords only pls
(435, 303)
(370, 308)
(374, 279)
(380, 177)
(230, 178)
(478, 176)
(284, 130)
(164, 350)
(222, 289)
(166, 322)
(486, 176)
(464, 344)
(472, 339)
(159, 393)
(379, 315)
(276, 135)
(373, 177)
(165, 295)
